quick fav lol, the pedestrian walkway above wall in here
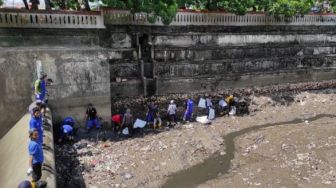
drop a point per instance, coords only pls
(14, 154)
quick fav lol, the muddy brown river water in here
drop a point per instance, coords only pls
(219, 164)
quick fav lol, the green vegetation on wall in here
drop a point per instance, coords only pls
(167, 9)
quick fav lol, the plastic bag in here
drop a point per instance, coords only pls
(201, 103)
(233, 111)
(211, 114)
(125, 131)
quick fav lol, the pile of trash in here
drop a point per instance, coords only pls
(89, 162)
(281, 93)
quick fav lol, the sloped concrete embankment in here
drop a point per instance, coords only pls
(14, 154)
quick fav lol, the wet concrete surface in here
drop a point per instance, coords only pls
(14, 154)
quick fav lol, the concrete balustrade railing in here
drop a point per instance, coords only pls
(122, 17)
(97, 20)
(51, 19)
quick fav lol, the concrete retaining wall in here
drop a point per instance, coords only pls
(203, 62)
(93, 66)
(78, 62)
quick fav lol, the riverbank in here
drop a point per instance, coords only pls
(149, 161)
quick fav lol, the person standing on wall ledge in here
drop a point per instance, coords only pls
(91, 118)
(37, 103)
(36, 123)
(189, 109)
(40, 87)
(36, 157)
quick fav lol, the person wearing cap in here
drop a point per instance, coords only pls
(36, 157)
(69, 121)
(66, 133)
(67, 130)
(36, 123)
(172, 112)
(40, 87)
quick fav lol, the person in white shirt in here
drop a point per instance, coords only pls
(223, 107)
(172, 112)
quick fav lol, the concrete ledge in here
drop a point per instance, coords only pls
(218, 82)
(14, 154)
(49, 169)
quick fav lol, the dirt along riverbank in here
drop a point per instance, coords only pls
(297, 149)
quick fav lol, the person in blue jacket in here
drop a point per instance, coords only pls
(67, 130)
(36, 157)
(69, 121)
(40, 87)
(36, 123)
(189, 110)
(66, 133)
